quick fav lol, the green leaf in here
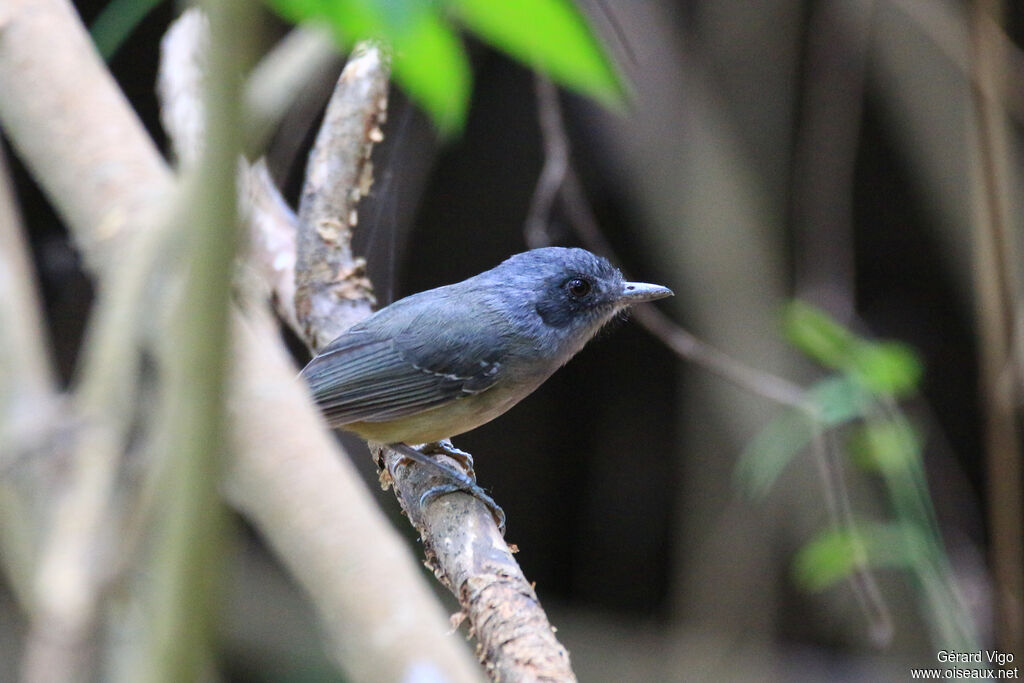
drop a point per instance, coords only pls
(885, 446)
(832, 402)
(887, 368)
(116, 21)
(834, 554)
(768, 453)
(836, 400)
(883, 368)
(819, 336)
(428, 59)
(431, 65)
(549, 35)
(826, 560)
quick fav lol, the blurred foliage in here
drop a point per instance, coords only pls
(115, 23)
(835, 554)
(428, 58)
(430, 62)
(880, 439)
(830, 403)
(884, 368)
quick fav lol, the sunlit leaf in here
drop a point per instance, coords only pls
(549, 35)
(431, 66)
(889, 368)
(884, 368)
(828, 559)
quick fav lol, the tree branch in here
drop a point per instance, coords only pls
(331, 288)
(462, 542)
(108, 182)
(28, 392)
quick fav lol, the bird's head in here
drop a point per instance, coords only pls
(571, 293)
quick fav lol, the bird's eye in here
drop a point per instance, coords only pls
(578, 287)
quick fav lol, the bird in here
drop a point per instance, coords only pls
(444, 361)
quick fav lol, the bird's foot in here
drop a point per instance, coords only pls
(475, 491)
(446, 447)
(458, 480)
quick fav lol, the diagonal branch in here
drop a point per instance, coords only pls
(516, 639)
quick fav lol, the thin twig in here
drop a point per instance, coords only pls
(862, 580)
(556, 164)
(272, 230)
(190, 536)
(179, 80)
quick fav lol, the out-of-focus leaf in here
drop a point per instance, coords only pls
(833, 555)
(549, 35)
(832, 402)
(768, 453)
(819, 336)
(888, 368)
(115, 23)
(884, 368)
(825, 560)
(428, 59)
(837, 400)
(430, 64)
(884, 446)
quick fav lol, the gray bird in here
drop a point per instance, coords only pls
(447, 360)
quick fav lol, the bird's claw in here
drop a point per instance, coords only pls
(439, 490)
(446, 447)
(459, 481)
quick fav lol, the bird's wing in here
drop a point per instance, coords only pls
(364, 375)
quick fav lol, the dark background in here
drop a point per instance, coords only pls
(616, 474)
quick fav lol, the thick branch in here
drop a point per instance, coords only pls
(28, 388)
(91, 155)
(379, 613)
(106, 179)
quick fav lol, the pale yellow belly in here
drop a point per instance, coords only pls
(443, 422)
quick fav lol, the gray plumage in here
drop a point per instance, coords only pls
(444, 361)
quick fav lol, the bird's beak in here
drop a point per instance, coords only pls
(635, 292)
